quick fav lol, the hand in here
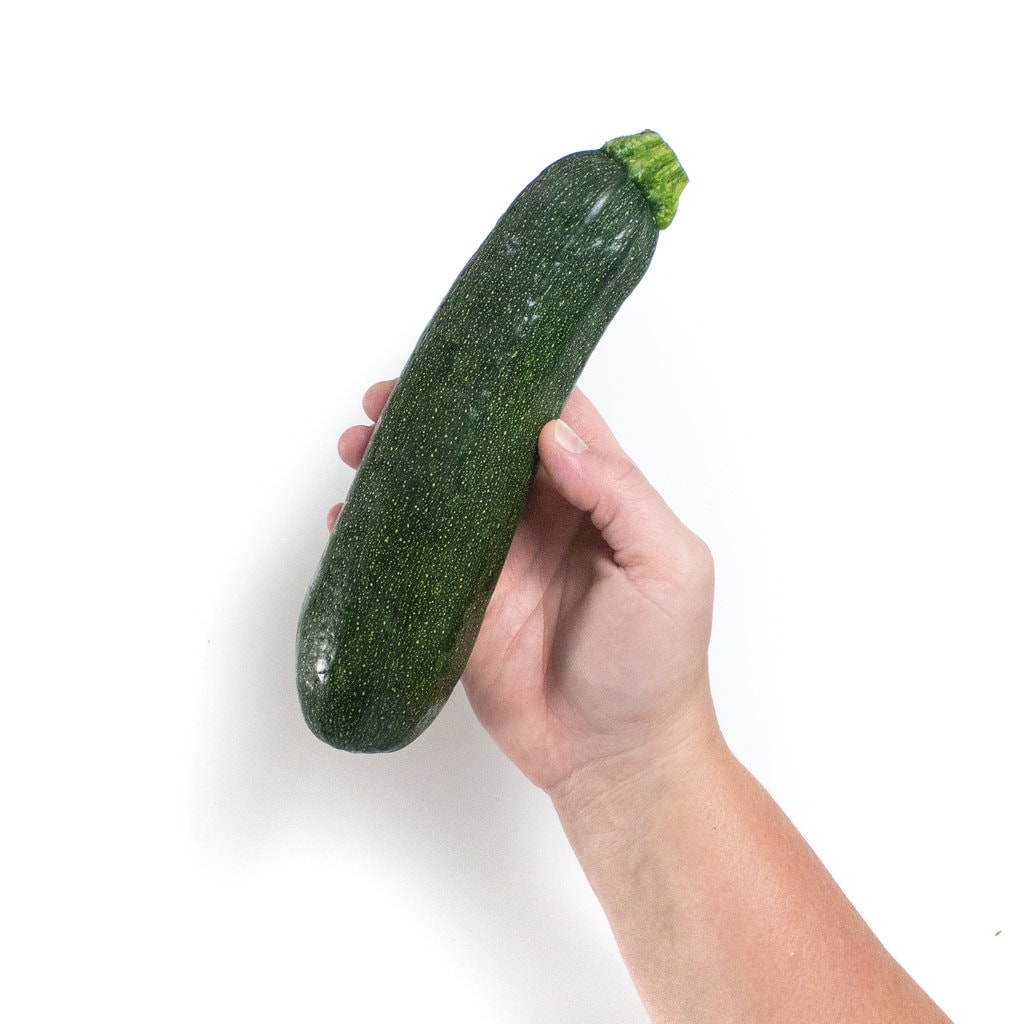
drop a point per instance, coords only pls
(593, 652)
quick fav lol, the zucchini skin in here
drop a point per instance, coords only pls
(397, 600)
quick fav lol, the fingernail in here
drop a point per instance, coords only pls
(568, 439)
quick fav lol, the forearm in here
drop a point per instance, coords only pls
(721, 910)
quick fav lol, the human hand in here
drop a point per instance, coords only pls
(592, 656)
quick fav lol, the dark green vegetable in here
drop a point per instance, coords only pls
(397, 601)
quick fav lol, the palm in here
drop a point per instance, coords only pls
(516, 675)
(569, 647)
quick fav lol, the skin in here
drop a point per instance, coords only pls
(591, 673)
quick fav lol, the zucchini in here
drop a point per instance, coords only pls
(397, 600)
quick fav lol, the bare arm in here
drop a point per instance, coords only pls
(720, 909)
(591, 673)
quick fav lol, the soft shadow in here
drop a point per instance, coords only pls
(469, 838)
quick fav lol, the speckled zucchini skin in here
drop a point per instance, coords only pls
(399, 595)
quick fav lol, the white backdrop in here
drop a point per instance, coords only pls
(220, 221)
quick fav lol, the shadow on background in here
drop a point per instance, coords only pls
(464, 837)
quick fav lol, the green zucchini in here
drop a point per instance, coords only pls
(397, 600)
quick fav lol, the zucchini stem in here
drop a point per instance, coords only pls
(654, 168)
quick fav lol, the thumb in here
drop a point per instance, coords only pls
(632, 517)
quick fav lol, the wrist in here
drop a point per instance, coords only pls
(614, 798)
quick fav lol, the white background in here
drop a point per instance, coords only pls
(220, 221)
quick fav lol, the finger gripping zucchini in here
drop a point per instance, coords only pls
(400, 592)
